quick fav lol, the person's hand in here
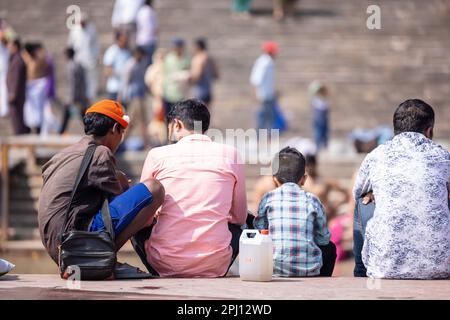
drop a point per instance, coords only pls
(368, 198)
(124, 181)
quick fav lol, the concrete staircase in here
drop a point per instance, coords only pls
(369, 72)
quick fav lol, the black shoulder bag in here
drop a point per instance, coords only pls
(92, 254)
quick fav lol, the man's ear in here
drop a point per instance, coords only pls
(275, 180)
(303, 180)
(116, 128)
(429, 133)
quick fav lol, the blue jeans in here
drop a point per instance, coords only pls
(363, 213)
(124, 208)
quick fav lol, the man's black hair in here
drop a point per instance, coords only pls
(149, 2)
(69, 52)
(413, 115)
(139, 50)
(311, 160)
(201, 43)
(97, 124)
(291, 165)
(17, 43)
(190, 111)
(32, 47)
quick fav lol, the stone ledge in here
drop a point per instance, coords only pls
(29, 286)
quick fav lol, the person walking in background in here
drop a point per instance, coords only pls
(176, 75)
(76, 81)
(283, 9)
(241, 9)
(84, 41)
(124, 17)
(114, 61)
(147, 30)
(16, 83)
(203, 72)
(4, 60)
(320, 107)
(263, 79)
(36, 100)
(154, 77)
(133, 92)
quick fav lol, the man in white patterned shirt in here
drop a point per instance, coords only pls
(408, 236)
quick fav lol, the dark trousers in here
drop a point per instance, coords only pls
(363, 213)
(328, 259)
(16, 114)
(139, 239)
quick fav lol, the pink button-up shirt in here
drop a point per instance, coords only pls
(205, 190)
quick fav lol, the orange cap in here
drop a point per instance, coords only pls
(111, 109)
(270, 47)
(264, 231)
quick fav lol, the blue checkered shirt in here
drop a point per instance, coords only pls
(297, 224)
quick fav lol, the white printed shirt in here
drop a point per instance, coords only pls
(409, 234)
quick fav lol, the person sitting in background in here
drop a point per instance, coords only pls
(76, 80)
(241, 9)
(283, 9)
(133, 92)
(402, 216)
(114, 60)
(197, 229)
(296, 221)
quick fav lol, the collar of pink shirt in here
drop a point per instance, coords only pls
(195, 137)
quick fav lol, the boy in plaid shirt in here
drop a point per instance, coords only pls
(296, 221)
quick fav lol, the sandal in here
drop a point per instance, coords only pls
(126, 271)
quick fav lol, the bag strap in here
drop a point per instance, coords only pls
(107, 222)
(89, 154)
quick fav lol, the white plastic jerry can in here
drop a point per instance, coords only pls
(255, 255)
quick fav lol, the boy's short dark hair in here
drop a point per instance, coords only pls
(190, 111)
(97, 124)
(290, 165)
(413, 115)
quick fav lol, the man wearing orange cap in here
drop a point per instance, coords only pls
(131, 208)
(263, 79)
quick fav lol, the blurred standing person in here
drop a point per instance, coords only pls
(203, 72)
(154, 77)
(263, 79)
(176, 75)
(124, 16)
(84, 41)
(133, 92)
(241, 9)
(320, 105)
(147, 30)
(36, 100)
(283, 8)
(76, 80)
(16, 82)
(114, 61)
(4, 60)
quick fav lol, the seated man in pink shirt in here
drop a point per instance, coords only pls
(197, 229)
